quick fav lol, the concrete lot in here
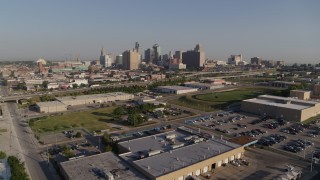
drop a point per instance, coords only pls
(263, 165)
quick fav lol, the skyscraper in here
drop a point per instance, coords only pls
(130, 59)
(137, 48)
(105, 59)
(119, 59)
(235, 59)
(256, 60)
(149, 55)
(194, 58)
(178, 55)
(157, 53)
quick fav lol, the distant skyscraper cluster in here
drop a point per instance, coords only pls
(191, 59)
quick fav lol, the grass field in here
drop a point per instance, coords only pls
(93, 120)
(219, 100)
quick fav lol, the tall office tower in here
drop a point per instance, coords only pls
(138, 48)
(194, 58)
(157, 53)
(149, 55)
(256, 60)
(178, 54)
(119, 59)
(130, 59)
(103, 57)
(235, 59)
(170, 55)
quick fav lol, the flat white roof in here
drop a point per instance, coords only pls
(84, 168)
(91, 96)
(175, 87)
(289, 103)
(50, 104)
(173, 160)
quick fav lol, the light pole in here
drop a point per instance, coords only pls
(311, 161)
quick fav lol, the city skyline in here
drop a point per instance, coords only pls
(278, 30)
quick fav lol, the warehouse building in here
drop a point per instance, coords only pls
(61, 104)
(203, 86)
(177, 154)
(95, 98)
(50, 107)
(101, 166)
(176, 89)
(290, 109)
(282, 84)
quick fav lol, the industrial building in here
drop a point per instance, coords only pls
(176, 89)
(203, 86)
(290, 109)
(282, 84)
(62, 103)
(50, 107)
(101, 166)
(178, 154)
(300, 94)
(95, 98)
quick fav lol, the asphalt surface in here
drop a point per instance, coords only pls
(38, 168)
(27, 148)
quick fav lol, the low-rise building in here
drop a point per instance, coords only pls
(281, 107)
(176, 89)
(203, 86)
(177, 66)
(50, 107)
(105, 166)
(178, 154)
(53, 86)
(95, 98)
(282, 84)
(300, 94)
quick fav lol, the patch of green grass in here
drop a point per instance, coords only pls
(93, 120)
(3, 130)
(219, 100)
(310, 120)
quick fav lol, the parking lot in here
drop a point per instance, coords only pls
(290, 137)
(263, 165)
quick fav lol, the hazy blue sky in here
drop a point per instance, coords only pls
(60, 29)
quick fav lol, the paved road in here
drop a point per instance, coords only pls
(36, 165)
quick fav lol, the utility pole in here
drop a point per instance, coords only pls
(311, 161)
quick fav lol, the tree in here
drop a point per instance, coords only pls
(83, 85)
(74, 86)
(119, 111)
(18, 171)
(78, 135)
(2, 155)
(5, 82)
(106, 138)
(21, 85)
(45, 84)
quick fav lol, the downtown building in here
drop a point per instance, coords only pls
(130, 60)
(194, 58)
(105, 59)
